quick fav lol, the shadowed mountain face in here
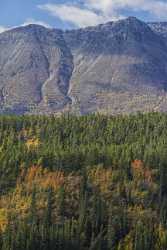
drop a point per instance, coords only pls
(117, 67)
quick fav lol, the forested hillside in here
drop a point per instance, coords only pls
(83, 183)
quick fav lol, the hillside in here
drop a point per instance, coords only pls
(83, 183)
(117, 67)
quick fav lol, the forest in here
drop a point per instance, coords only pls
(93, 182)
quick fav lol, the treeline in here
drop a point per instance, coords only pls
(93, 182)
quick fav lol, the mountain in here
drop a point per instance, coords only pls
(35, 69)
(117, 67)
(159, 27)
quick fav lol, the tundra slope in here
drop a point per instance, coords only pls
(117, 67)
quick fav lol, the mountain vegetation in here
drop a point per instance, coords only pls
(93, 182)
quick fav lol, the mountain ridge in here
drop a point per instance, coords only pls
(117, 67)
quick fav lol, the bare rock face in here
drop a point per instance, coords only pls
(114, 63)
(35, 68)
(117, 67)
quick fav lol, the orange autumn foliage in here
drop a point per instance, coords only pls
(43, 178)
(140, 171)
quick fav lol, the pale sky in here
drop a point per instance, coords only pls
(68, 14)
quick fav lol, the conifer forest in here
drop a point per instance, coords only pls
(92, 182)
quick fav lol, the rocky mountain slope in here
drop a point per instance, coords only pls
(117, 67)
(35, 68)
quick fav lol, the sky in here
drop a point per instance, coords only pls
(67, 14)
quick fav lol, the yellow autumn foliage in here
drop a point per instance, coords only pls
(162, 236)
(18, 204)
(3, 219)
(128, 242)
(32, 143)
(101, 178)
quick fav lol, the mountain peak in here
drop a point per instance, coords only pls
(133, 19)
(132, 28)
(132, 22)
(31, 28)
